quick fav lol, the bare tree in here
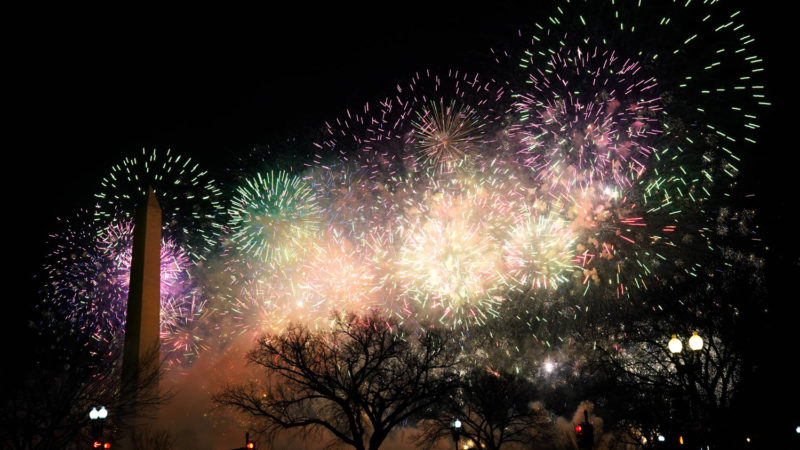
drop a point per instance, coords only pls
(699, 391)
(357, 382)
(49, 408)
(493, 408)
(695, 389)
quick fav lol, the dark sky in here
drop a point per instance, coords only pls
(89, 87)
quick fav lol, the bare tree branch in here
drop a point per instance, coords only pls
(356, 382)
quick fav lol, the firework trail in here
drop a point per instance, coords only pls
(80, 279)
(274, 218)
(430, 121)
(189, 198)
(618, 125)
(89, 274)
(589, 117)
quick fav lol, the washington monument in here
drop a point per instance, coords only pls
(140, 358)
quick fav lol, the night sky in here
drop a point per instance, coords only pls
(89, 87)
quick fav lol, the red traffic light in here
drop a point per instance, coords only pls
(107, 445)
(97, 444)
(578, 429)
(251, 445)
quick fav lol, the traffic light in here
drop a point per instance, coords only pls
(98, 444)
(585, 434)
(248, 443)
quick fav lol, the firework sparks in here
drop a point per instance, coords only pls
(89, 280)
(189, 198)
(446, 134)
(274, 218)
(594, 169)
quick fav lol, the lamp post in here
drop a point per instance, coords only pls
(455, 428)
(675, 347)
(97, 418)
(695, 342)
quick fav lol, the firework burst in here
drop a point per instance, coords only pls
(189, 198)
(450, 260)
(89, 277)
(274, 218)
(428, 120)
(446, 134)
(590, 115)
(539, 251)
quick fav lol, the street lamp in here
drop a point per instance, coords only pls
(94, 414)
(97, 418)
(688, 368)
(695, 342)
(675, 345)
(455, 427)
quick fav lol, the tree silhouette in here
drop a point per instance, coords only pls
(700, 392)
(494, 408)
(357, 382)
(49, 407)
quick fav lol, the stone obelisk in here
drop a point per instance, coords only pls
(140, 357)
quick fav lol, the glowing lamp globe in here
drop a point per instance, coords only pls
(103, 413)
(457, 424)
(695, 342)
(675, 345)
(94, 414)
